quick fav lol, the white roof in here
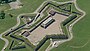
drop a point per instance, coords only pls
(46, 21)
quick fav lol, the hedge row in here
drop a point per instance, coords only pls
(6, 1)
(69, 19)
(48, 37)
(17, 38)
(57, 36)
(11, 44)
(19, 47)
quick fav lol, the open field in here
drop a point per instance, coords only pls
(81, 32)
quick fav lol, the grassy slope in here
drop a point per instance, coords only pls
(4, 23)
(81, 32)
(24, 49)
(1, 44)
(44, 46)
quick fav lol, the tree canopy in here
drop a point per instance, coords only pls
(2, 15)
(6, 1)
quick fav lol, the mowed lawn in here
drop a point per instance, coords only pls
(81, 31)
(29, 6)
(1, 44)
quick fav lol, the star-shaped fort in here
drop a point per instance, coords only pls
(51, 22)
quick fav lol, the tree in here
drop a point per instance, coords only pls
(10, 15)
(0, 1)
(2, 15)
(6, 1)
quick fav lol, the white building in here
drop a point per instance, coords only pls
(47, 22)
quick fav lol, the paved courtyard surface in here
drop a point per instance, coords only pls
(39, 33)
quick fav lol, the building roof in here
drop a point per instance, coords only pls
(26, 33)
(46, 21)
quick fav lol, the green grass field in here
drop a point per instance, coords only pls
(1, 44)
(29, 7)
(43, 48)
(81, 32)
